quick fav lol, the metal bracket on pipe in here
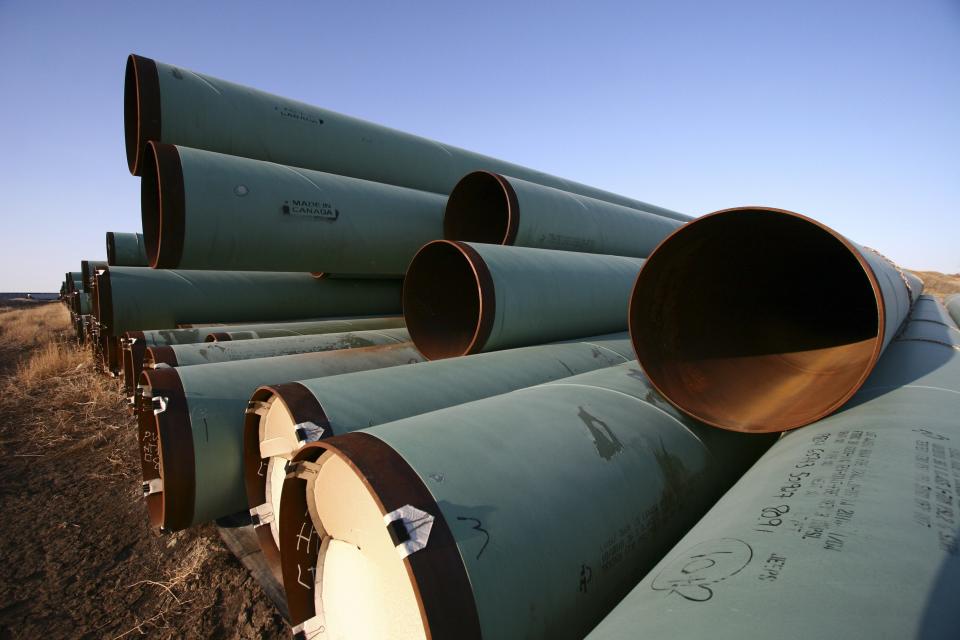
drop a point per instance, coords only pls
(159, 404)
(409, 529)
(308, 431)
(152, 486)
(304, 470)
(257, 407)
(261, 514)
(308, 628)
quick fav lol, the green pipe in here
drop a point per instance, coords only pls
(340, 404)
(191, 426)
(524, 515)
(758, 319)
(953, 305)
(88, 269)
(135, 343)
(206, 210)
(137, 298)
(497, 209)
(184, 355)
(461, 298)
(84, 306)
(126, 249)
(177, 106)
(846, 528)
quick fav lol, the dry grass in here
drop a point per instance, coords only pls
(27, 327)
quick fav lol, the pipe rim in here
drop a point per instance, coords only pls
(640, 301)
(218, 336)
(303, 407)
(111, 249)
(482, 207)
(160, 354)
(162, 205)
(448, 319)
(172, 508)
(436, 573)
(141, 108)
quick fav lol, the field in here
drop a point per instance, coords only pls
(80, 560)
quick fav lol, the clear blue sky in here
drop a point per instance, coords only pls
(847, 111)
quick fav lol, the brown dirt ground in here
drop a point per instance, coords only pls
(79, 558)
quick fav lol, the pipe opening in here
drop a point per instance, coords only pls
(482, 207)
(141, 108)
(363, 588)
(756, 319)
(447, 300)
(111, 249)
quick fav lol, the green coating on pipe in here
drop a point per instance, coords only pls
(157, 337)
(953, 306)
(735, 324)
(358, 400)
(126, 249)
(495, 209)
(229, 351)
(216, 396)
(846, 528)
(138, 298)
(242, 214)
(177, 106)
(461, 298)
(85, 306)
(559, 497)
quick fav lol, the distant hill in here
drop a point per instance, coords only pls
(939, 284)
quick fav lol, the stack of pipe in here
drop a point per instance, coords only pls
(494, 463)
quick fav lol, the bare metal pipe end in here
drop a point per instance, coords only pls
(482, 207)
(756, 319)
(166, 448)
(218, 336)
(448, 300)
(279, 420)
(141, 108)
(429, 590)
(162, 205)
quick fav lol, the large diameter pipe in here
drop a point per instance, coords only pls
(496, 209)
(184, 355)
(135, 343)
(524, 515)
(137, 298)
(461, 298)
(177, 106)
(846, 528)
(953, 306)
(206, 210)
(126, 249)
(758, 319)
(191, 429)
(274, 432)
(88, 270)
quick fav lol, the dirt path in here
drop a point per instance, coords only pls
(79, 558)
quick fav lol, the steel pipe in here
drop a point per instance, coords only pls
(171, 104)
(758, 319)
(191, 426)
(496, 209)
(345, 403)
(184, 355)
(126, 249)
(953, 305)
(461, 298)
(88, 270)
(524, 515)
(135, 343)
(206, 210)
(136, 298)
(846, 528)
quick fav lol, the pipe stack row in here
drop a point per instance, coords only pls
(457, 397)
